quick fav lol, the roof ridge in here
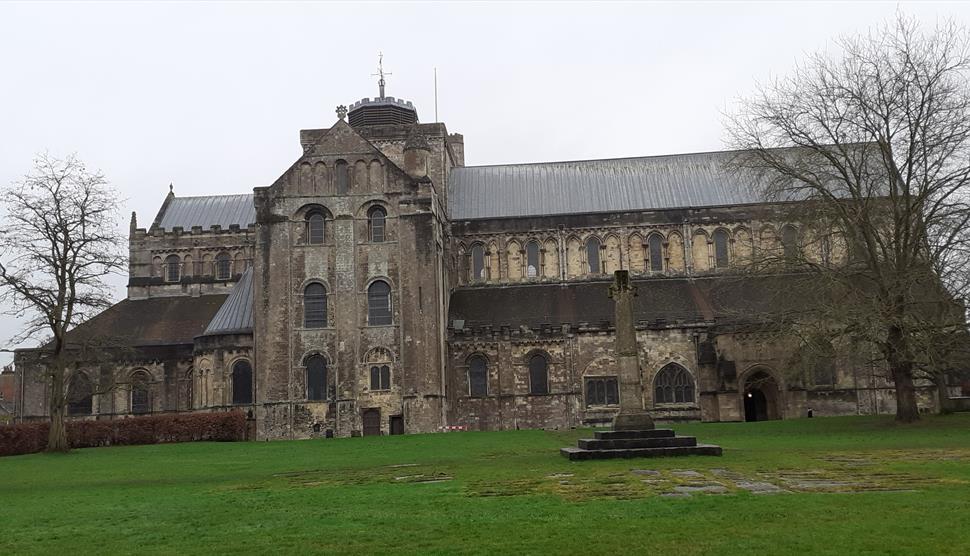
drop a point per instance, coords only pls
(643, 157)
(213, 196)
(580, 160)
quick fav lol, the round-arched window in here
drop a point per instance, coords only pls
(223, 266)
(315, 306)
(140, 394)
(316, 378)
(593, 256)
(315, 228)
(721, 256)
(242, 383)
(477, 376)
(376, 219)
(173, 268)
(379, 303)
(538, 374)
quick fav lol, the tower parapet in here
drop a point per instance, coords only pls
(382, 111)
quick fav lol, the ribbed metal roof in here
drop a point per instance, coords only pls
(621, 184)
(222, 210)
(236, 314)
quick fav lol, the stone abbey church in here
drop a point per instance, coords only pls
(381, 286)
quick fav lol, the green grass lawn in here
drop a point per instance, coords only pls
(855, 485)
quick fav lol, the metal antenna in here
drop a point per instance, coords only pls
(380, 72)
(436, 95)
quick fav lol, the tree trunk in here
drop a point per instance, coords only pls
(901, 368)
(943, 395)
(57, 439)
(906, 409)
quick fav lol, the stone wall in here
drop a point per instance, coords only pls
(196, 250)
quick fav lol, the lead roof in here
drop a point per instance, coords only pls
(236, 314)
(221, 210)
(591, 186)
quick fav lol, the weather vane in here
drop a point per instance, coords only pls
(380, 72)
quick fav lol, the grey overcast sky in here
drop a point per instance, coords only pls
(211, 96)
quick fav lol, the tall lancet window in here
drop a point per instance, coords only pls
(532, 259)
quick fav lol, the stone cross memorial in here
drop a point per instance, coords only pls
(633, 433)
(632, 416)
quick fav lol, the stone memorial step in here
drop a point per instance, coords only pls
(615, 435)
(597, 444)
(666, 451)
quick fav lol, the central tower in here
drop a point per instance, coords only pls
(350, 323)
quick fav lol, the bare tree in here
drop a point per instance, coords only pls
(58, 244)
(872, 140)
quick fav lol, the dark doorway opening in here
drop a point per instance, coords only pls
(372, 422)
(755, 405)
(397, 424)
(761, 395)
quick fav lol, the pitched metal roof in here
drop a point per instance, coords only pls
(222, 210)
(236, 314)
(587, 186)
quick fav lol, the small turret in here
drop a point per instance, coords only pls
(416, 152)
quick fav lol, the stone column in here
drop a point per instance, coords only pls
(632, 415)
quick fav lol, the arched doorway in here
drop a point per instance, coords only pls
(760, 395)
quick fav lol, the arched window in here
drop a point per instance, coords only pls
(673, 385)
(376, 218)
(242, 383)
(593, 256)
(186, 390)
(538, 374)
(316, 378)
(379, 303)
(173, 268)
(478, 263)
(342, 176)
(315, 226)
(477, 376)
(825, 250)
(789, 241)
(721, 257)
(380, 377)
(655, 249)
(80, 395)
(140, 395)
(315, 306)
(532, 259)
(223, 266)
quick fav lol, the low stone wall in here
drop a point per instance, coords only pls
(961, 403)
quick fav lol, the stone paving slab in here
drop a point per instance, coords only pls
(702, 489)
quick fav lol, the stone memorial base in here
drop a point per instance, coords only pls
(648, 443)
(639, 421)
